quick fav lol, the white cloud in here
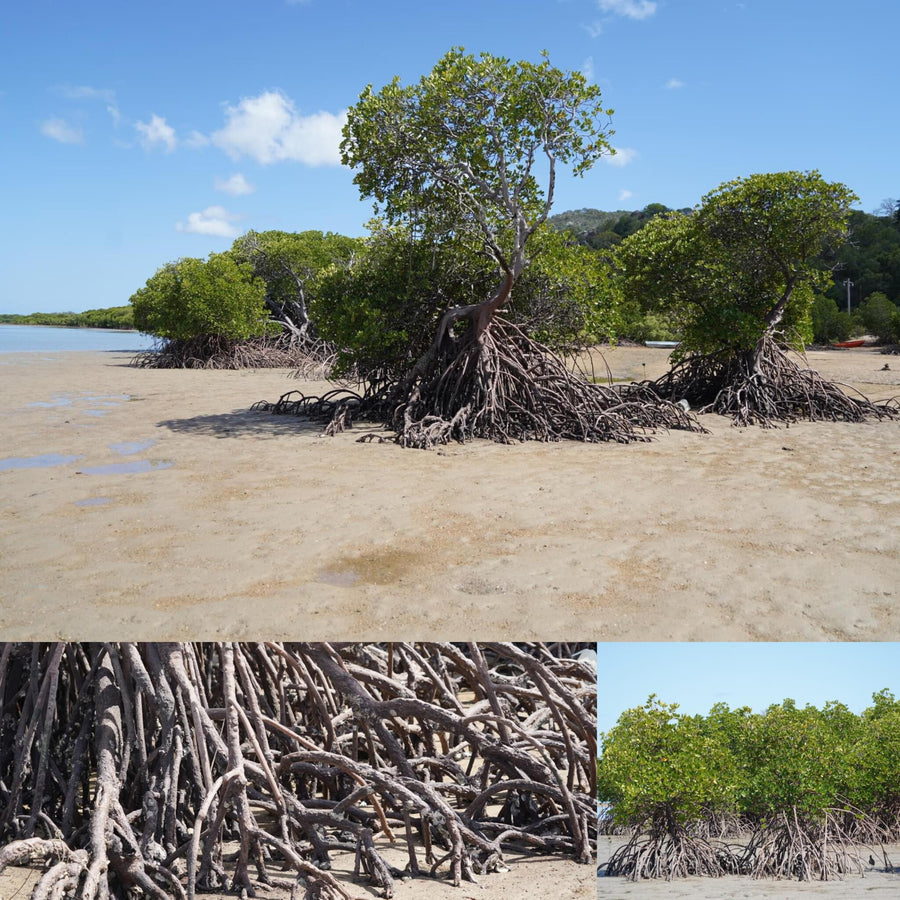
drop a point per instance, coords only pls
(631, 9)
(625, 195)
(195, 140)
(214, 220)
(595, 29)
(588, 68)
(269, 129)
(61, 131)
(673, 84)
(236, 185)
(156, 131)
(622, 157)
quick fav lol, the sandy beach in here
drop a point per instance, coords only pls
(142, 504)
(528, 878)
(876, 881)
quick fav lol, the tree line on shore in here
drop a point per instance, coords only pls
(109, 317)
(369, 296)
(810, 792)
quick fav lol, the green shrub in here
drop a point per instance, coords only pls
(193, 297)
(880, 317)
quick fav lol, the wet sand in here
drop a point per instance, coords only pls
(875, 881)
(172, 510)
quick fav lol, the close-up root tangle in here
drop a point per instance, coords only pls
(167, 769)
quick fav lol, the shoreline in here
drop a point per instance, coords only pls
(182, 513)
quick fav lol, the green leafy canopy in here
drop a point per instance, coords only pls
(193, 297)
(743, 264)
(462, 144)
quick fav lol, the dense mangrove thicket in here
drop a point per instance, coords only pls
(813, 792)
(167, 769)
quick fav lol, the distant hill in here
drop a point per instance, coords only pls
(600, 229)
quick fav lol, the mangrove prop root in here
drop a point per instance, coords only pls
(502, 386)
(789, 847)
(669, 850)
(765, 387)
(308, 357)
(168, 769)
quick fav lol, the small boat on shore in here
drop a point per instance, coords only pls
(846, 345)
(667, 345)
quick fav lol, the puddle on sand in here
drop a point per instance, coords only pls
(93, 501)
(338, 577)
(52, 404)
(44, 461)
(127, 449)
(100, 403)
(128, 468)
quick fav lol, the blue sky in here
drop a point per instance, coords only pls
(135, 133)
(698, 675)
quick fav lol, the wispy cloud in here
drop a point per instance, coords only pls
(155, 132)
(62, 131)
(195, 140)
(214, 220)
(630, 9)
(625, 195)
(235, 185)
(673, 84)
(269, 129)
(622, 157)
(86, 92)
(587, 68)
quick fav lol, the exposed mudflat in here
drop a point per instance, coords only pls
(150, 504)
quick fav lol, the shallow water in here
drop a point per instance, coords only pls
(127, 449)
(42, 461)
(31, 338)
(338, 577)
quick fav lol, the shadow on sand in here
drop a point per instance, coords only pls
(242, 423)
(255, 423)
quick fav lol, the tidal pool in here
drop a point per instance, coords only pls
(128, 448)
(43, 461)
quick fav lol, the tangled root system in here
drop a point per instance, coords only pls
(788, 847)
(672, 852)
(171, 769)
(764, 387)
(309, 358)
(502, 386)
